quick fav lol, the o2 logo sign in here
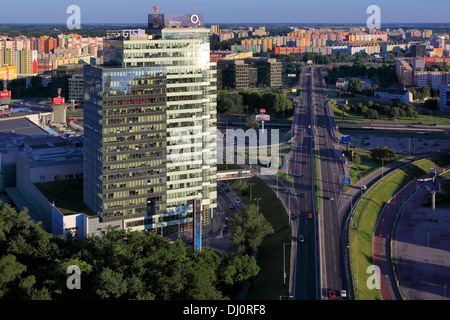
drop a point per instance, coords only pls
(195, 19)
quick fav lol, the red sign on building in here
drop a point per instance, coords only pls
(58, 100)
(5, 94)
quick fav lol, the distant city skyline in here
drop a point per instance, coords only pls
(231, 11)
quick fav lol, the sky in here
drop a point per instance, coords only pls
(228, 11)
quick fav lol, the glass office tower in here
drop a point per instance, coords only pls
(150, 126)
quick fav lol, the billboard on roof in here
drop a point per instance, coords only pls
(175, 20)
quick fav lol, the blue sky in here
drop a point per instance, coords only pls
(228, 11)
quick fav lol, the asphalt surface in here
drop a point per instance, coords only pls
(331, 179)
(304, 258)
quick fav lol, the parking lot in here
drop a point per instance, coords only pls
(405, 145)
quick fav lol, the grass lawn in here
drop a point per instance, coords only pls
(316, 182)
(286, 179)
(365, 219)
(268, 284)
(333, 94)
(366, 167)
(66, 194)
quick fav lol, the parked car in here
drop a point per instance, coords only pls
(310, 215)
(301, 238)
(343, 293)
(332, 294)
(231, 206)
(331, 198)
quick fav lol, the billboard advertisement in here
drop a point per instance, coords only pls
(5, 94)
(175, 20)
(428, 186)
(197, 225)
(262, 117)
(58, 100)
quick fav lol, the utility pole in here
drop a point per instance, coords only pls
(251, 184)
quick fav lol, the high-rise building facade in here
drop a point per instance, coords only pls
(150, 126)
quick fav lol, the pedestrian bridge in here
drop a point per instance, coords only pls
(233, 174)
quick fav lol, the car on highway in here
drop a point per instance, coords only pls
(221, 191)
(364, 187)
(332, 294)
(231, 206)
(309, 216)
(301, 238)
(331, 198)
(302, 194)
(343, 293)
(238, 203)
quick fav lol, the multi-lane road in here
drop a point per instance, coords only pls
(304, 275)
(317, 261)
(332, 174)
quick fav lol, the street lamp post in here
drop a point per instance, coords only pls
(284, 262)
(250, 184)
(257, 201)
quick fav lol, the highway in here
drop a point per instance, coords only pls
(304, 263)
(331, 178)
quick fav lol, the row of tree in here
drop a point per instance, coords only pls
(384, 73)
(120, 264)
(374, 110)
(19, 90)
(274, 102)
(377, 154)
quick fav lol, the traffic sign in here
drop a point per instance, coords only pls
(346, 139)
(347, 181)
(429, 186)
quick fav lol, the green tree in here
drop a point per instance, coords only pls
(372, 114)
(356, 159)
(355, 85)
(252, 123)
(393, 113)
(249, 227)
(239, 268)
(10, 272)
(382, 153)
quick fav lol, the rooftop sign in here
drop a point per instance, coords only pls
(175, 20)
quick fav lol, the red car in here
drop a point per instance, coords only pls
(309, 215)
(332, 294)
